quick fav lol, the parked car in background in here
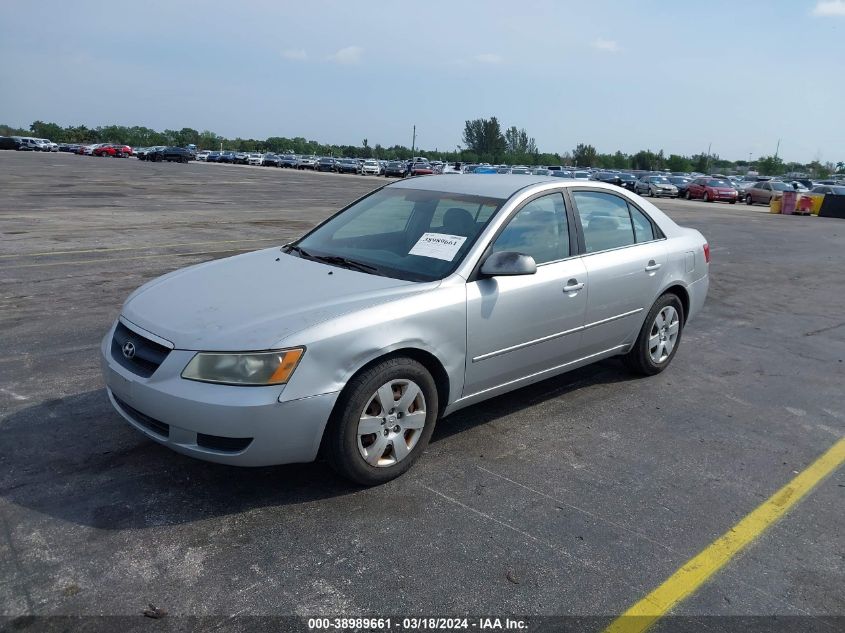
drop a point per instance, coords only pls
(656, 186)
(711, 189)
(371, 168)
(271, 160)
(829, 190)
(240, 158)
(396, 168)
(115, 151)
(325, 163)
(627, 181)
(681, 183)
(212, 157)
(7, 142)
(581, 175)
(28, 144)
(367, 358)
(346, 166)
(422, 169)
(202, 155)
(307, 162)
(170, 154)
(288, 160)
(608, 177)
(764, 192)
(227, 157)
(253, 158)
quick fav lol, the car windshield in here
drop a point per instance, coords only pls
(837, 191)
(679, 180)
(660, 180)
(718, 183)
(782, 186)
(405, 233)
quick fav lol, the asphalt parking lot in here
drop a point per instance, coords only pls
(576, 496)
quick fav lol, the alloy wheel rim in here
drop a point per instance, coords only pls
(391, 423)
(663, 335)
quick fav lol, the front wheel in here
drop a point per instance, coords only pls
(659, 337)
(748, 200)
(382, 421)
(705, 197)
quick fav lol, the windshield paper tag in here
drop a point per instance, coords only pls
(438, 246)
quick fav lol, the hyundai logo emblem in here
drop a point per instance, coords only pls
(129, 350)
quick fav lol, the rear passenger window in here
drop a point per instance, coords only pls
(643, 229)
(605, 219)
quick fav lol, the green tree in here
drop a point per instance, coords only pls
(50, 131)
(770, 165)
(484, 138)
(676, 162)
(584, 155)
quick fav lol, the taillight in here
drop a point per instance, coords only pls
(706, 252)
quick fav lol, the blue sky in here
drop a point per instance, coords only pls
(630, 75)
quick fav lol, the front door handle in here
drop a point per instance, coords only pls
(573, 286)
(652, 265)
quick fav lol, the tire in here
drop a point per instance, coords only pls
(647, 359)
(360, 402)
(706, 197)
(749, 200)
(732, 202)
(688, 196)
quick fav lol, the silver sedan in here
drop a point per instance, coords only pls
(419, 299)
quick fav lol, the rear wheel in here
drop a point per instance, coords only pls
(659, 337)
(687, 195)
(748, 200)
(706, 197)
(382, 421)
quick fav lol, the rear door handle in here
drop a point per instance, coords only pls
(573, 286)
(652, 265)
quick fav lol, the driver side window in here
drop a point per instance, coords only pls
(538, 229)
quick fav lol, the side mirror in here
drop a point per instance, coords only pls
(508, 264)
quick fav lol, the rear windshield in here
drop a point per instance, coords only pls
(782, 186)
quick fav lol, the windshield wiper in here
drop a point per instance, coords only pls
(291, 248)
(346, 263)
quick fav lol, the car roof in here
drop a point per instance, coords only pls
(501, 186)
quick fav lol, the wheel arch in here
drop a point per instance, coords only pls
(681, 292)
(424, 357)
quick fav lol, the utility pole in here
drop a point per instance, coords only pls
(777, 149)
(709, 145)
(413, 141)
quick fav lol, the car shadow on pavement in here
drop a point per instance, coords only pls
(603, 372)
(75, 459)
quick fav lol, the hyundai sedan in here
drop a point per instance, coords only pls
(421, 298)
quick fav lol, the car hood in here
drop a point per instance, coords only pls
(254, 301)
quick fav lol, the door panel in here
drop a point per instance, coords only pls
(621, 292)
(517, 326)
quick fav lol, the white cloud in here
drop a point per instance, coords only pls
(299, 54)
(488, 58)
(348, 55)
(607, 46)
(830, 7)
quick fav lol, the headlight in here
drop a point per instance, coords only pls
(253, 368)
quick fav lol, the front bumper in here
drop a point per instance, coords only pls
(241, 426)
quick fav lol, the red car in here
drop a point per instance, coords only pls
(108, 150)
(421, 169)
(712, 189)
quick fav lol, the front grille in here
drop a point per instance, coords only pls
(151, 424)
(148, 355)
(223, 444)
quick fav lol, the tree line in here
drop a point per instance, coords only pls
(484, 140)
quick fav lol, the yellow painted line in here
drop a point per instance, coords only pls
(123, 259)
(139, 248)
(698, 570)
